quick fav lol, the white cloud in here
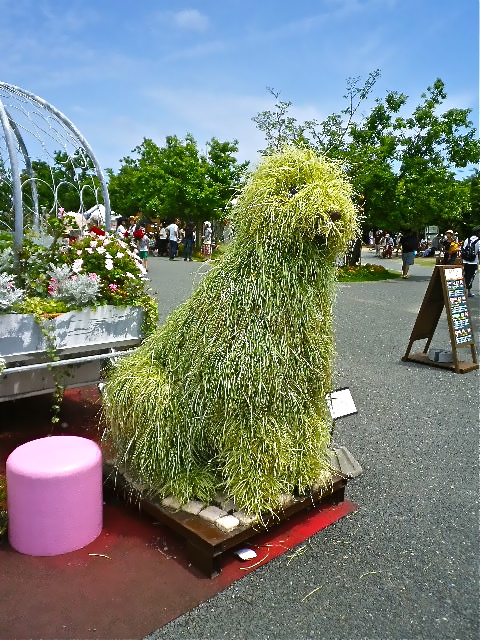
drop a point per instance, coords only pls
(191, 20)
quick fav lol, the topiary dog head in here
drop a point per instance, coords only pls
(297, 196)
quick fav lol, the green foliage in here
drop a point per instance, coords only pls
(404, 167)
(177, 181)
(230, 392)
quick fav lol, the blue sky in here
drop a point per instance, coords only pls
(124, 70)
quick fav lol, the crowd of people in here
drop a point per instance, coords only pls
(446, 247)
(172, 240)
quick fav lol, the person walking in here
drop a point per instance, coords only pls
(409, 244)
(162, 241)
(143, 243)
(173, 236)
(378, 241)
(207, 239)
(188, 242)
(121, 230)
(450, 248)
(470, 253)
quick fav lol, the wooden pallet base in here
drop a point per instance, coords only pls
(422, 358)
(205, 541)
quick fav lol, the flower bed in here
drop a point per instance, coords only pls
(364, 273)
(66, 303)
(64, 273)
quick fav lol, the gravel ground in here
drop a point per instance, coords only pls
(405, 565)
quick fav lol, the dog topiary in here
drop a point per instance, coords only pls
(230, 393)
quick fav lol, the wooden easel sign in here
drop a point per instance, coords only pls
(446, 290)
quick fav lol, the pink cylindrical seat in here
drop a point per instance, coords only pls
(54, 495)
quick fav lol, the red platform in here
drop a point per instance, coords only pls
(100, 591)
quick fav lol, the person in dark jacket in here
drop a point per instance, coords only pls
(409, 244)
(188, 239)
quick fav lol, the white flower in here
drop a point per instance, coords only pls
(90, 250)
(77, 265)
(93, 243)
(129, 275)
(106, 241)
(79, 252)
(109, 264)
(119, 254)
(101, 250)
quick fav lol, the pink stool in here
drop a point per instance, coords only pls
(54, 495)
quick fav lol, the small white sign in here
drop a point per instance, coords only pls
(245, 554)
(453, 274)
(340, 403)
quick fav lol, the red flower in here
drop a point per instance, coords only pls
(97, 231)
(138, 234)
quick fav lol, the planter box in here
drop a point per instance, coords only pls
(84, 330)
(81, 337)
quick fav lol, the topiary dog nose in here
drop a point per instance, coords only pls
(334, 215)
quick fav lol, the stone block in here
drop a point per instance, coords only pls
(245, 518)
(349, 467)
(171, 503)
(285, 500)
(212, 514)
(194, 506)
(227, 523)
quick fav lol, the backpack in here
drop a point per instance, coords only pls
(469, 250)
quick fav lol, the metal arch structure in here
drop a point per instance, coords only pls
(15, 144)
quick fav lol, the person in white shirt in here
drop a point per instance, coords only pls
(173, 235)
(121, 231)
(470, 267)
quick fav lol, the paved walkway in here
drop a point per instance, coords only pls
(405, 566)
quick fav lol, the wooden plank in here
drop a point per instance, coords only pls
(205, 541)
(463, 367)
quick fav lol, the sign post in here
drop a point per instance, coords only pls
(446, 289)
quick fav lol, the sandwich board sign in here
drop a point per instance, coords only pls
(446, 290)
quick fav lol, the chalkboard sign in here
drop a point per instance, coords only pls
(446, 290)
(457, 306)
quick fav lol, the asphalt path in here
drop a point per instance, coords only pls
(405, 565)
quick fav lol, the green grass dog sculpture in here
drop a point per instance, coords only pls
(229, 394)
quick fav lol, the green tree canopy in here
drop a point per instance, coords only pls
(404, 167)
(176, 180)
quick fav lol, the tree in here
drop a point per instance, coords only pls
(403, 168)
(176, 180)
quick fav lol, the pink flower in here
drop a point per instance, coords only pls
(94, 276)
(52, 287)
(113, 287)
(79, 252)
